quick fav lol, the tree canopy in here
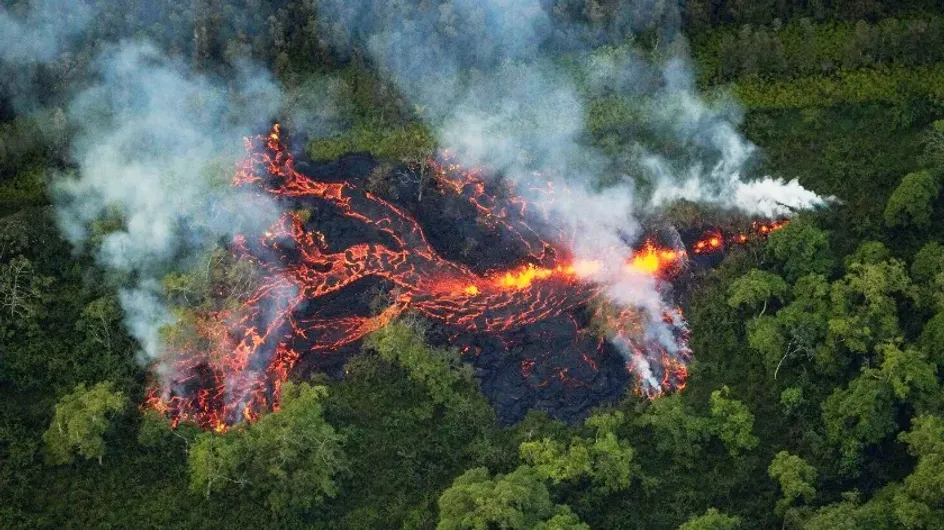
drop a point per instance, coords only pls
(81, 420)
(516, 501)
(290, 457)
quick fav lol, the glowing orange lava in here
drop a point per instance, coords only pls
(233, 368)
(714, 241)
(654, 260)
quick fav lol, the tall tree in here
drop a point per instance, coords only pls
(676, 431)
(516, 501)
(79, 424)
(440, 371)
(733, 422)
(606, 460)
(912, 201)
(290, 457)
(798, 330)
(712, 520)
(859, 415)
(796, 478)
(756, 288)
(865, 304)
(22, 291)
(802, 249)
(920, 501)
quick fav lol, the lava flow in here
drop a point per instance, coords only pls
(233, 367)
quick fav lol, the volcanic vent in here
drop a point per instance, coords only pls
(471, 258)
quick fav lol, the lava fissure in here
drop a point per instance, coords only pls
(233, 371)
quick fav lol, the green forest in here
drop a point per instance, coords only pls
(815, 393)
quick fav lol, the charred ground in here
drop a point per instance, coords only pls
(557, 364)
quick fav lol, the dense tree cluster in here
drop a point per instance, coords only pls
(802, 48)
(703, 14)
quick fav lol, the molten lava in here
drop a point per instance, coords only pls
(714, 241)
(653, 260)
(233, 367)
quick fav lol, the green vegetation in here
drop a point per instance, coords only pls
(409, 142)
(606, 460)
(80, 423)
(796, 479)
(814, 401)
(912, 201)
(712, 520)
(518, 500)
(290, 458)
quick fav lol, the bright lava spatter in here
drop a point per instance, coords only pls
(233, 371)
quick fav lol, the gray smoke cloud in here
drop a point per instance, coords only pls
(489, 76)
(155, 152)
(515, 98)
(505, 97)
(36, 35)
(39, 33)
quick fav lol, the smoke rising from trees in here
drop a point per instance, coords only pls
(154, 152)
(515, 99)
(512, 95)
(39, 34)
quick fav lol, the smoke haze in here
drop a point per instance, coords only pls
(154, 138)
(507, 101)
(39, 34)
(155, 152)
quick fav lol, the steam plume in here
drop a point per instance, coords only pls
(155, 151)
(507, 101)
(151, 131)
(39, 34)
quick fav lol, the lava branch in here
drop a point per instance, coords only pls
(232, 371)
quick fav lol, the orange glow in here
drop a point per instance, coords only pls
(649, 260)
(524, 277)
(652, 260)
(232, 369)
(714, 241)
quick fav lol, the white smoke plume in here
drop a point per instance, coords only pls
(507, 100)
(155, 152)
(38, 33)
(772, 197)
(767, 197)
(151, 131)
